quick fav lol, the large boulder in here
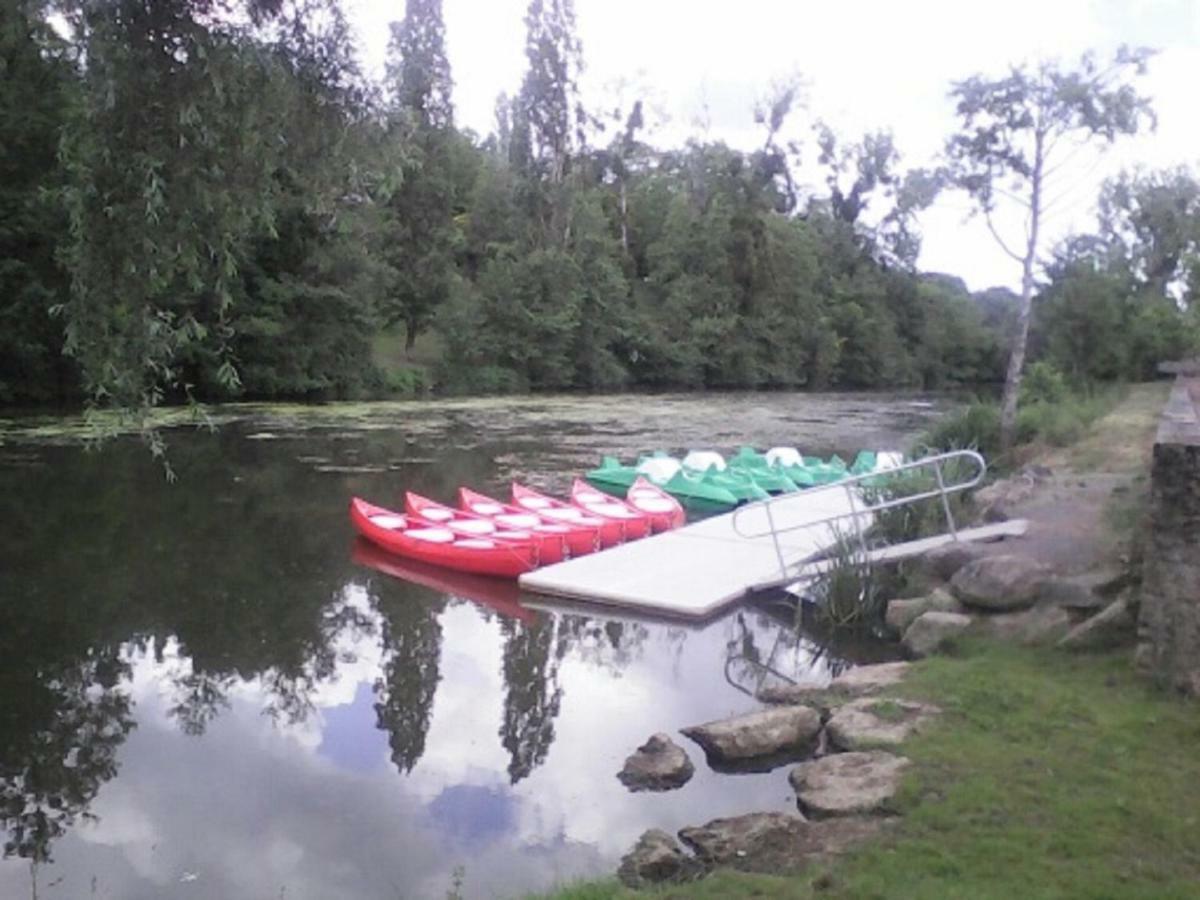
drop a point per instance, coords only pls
(777, 843)
(1114, 626)
(999, 583)
(932, 631)
(766, 736)
(944, 561)
(902, 613)
(724, 840)
(847, 783)
(869, 679)
(658, 765)
(871, 723)
(1042, 623)
(656, 857)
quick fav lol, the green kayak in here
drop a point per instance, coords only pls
(696, 491)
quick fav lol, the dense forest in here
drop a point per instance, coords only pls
(209, 199)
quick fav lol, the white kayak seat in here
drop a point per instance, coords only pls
(487, 508)
(653, 504)
(476, 544)
(659, 469)
(785, 456)
(564, 513)
(534, 502)
(520, 520)
(391, 522)
(889, 459)
(513, 535)
(434, 535)
(548, 528)
(436, 515)
(475, 526)
(703, 460)
(591, 497)
(612, 510)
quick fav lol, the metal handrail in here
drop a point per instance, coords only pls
(858, 510)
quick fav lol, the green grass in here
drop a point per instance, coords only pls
(1048, 775)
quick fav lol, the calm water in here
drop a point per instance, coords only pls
(206, 691)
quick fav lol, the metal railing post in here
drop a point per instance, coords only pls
(937, 471)
(775, 540)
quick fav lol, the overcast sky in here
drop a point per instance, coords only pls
(869, 64)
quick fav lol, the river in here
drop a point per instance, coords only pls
(203, 694)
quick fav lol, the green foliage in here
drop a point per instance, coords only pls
(975, 427)
(37, 91)
(847, 592)
(243, 217)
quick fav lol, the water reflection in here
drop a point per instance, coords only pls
(208, 691)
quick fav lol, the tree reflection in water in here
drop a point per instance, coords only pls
(59, 736)
(532, 694)
(412, 646)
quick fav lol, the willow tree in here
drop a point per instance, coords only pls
(1018, 141)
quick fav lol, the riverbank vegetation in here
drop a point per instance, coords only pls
(213, 201)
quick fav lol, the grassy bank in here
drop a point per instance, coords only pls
(1052, 414)
(1049, 775)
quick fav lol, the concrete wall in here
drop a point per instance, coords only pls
(1169, 620)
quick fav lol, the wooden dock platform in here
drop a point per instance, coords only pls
(692, 572)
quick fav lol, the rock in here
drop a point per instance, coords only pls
(1040, 624)
(997, 499)
(870, 723)
(724, 840)
(656, 857)
(788, 694)
(998, 583)
(1070, 593)
(932, 631)
(779, 732)
(902, 613)
(868, 679)
(942, 562)
(777, 843)
(847, 783)
(1114, 626)
(658, 765)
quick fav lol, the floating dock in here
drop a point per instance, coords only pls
(695, 571)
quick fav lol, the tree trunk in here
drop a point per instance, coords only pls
(410, 337)
(624, 218)
(1016, 360)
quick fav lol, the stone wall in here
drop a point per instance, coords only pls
(1169, 620)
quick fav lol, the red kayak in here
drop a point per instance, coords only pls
(419, 540)
(635, 523)
(549, 542)
(582, 535)
(665, 511)
(500, 594)
(611, 531)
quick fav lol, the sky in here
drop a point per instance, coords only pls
(868, 65)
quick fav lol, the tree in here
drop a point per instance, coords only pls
(37, 91)
(1017, 135)
(1151, 222)
(548, 112)
(418, 69)
(419, 214)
